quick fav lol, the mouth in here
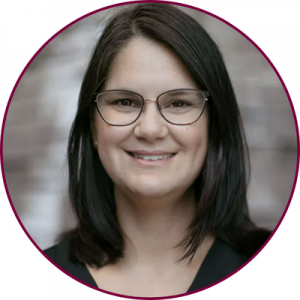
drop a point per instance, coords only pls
(151, 157)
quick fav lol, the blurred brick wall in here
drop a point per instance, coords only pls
(44, 105)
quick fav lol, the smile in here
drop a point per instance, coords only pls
(152, 157)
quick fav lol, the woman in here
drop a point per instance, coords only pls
(157, 162)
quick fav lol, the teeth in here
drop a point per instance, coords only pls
(152, 157)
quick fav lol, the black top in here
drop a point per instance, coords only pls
(220, 261)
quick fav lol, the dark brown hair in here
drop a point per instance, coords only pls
(221, 186)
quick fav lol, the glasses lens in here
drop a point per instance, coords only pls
(182, 106)
(119, 107)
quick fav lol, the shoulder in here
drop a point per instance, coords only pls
(221, 261)
(59, 254)
(224, 258)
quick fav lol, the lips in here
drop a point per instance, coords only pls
(151, 156)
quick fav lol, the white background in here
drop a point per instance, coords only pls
(26, 26)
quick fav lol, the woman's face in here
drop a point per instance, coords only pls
(149, 69)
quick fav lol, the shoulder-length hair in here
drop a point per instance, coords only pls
(221, 206)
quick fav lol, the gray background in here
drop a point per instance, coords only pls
(44, 104)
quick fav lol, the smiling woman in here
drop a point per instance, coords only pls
(157, 162)
(145, 134)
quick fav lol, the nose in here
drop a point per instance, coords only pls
(151, 125)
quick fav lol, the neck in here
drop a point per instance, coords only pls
(152, 227)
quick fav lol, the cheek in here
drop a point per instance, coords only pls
(107, 143)
(103, 137)
(195, 138)
(199, 149)
(195, 141)
(109, 140)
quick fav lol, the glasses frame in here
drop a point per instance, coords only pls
(205, 94)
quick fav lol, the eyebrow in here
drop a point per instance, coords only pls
(175, 92)
(179, 92)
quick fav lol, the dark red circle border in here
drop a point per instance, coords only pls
(178, 4)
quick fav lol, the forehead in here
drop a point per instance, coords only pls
(148, 68)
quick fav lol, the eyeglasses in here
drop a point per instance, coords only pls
(178, 107)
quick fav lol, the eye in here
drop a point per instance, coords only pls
(178, 104)
(126, 103)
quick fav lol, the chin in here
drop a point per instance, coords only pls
(152, 189)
